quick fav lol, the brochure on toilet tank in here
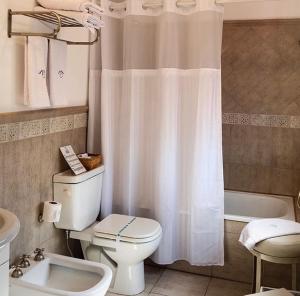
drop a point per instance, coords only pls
(72, 160)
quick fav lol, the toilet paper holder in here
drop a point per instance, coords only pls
(51, 212)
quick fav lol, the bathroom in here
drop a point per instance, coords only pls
(259, 147)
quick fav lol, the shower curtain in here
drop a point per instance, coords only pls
(158, 69)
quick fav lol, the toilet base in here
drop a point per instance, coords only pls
(129, 279)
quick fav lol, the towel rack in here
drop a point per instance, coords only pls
(60, 21)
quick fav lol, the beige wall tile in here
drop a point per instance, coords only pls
(27, 168)
(226, 142)
(250, 178)
(250, 145)
(260, 67)
(238, 261)
(283, 149)
(234, 227)
(284, 181)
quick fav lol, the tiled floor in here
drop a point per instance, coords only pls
(176, 283)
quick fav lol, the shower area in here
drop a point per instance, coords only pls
(184, 104)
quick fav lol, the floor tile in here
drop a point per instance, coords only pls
(152, 275)
(175, 283)
(218, 287)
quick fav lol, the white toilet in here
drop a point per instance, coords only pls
(119, 241)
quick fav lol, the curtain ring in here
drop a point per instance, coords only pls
(186, 4)
(112, 9)
(152, 6)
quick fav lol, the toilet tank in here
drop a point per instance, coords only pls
(80, 197)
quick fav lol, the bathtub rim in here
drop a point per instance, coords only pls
(291, 215)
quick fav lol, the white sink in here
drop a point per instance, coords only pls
(9, 227)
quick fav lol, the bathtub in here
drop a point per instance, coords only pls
(244, 207)
(241, 208)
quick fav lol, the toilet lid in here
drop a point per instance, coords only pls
(127, 227)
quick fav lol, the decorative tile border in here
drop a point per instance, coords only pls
(284, 121)
(35, 128)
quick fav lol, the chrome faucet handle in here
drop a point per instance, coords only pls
(24, 263)
(17, 273)
(39, 254)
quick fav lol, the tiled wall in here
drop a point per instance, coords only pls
(29, 157)
(261, 106)
(261, 123)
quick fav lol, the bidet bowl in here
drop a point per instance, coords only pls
(64, 276)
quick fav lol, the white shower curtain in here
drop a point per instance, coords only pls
(161, 122)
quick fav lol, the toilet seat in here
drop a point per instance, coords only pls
(127, 229)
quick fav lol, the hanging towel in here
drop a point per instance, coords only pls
(88, 20)
(259, 230)
(58, 51)
(75, 5)
(35, 78)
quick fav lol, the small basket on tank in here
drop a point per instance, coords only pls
(90, 161)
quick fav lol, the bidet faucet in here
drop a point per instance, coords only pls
(24, 263)
(39, 254)
(17, 273)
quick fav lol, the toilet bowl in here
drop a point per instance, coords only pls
(64, 276)
(123, 243)
(119, 241)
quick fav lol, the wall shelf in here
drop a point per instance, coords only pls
(59, 21)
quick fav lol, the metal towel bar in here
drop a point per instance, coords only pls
(58, 20)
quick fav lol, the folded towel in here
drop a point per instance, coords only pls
(35, 84)
(259, 230)
(75, 5)
(58, 51)
(89, 21)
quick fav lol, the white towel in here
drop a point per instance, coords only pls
(261, 229)
(35, 78)
(75, 5)
(58, 52)
(88, 20)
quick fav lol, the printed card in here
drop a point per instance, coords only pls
(72, 160)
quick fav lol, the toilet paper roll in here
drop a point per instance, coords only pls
(51, 212)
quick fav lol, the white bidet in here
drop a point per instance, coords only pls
(61, 275)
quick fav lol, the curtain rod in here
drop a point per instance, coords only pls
(240, 1)
(155, 4)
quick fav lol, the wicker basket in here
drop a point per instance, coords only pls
(92, 162)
